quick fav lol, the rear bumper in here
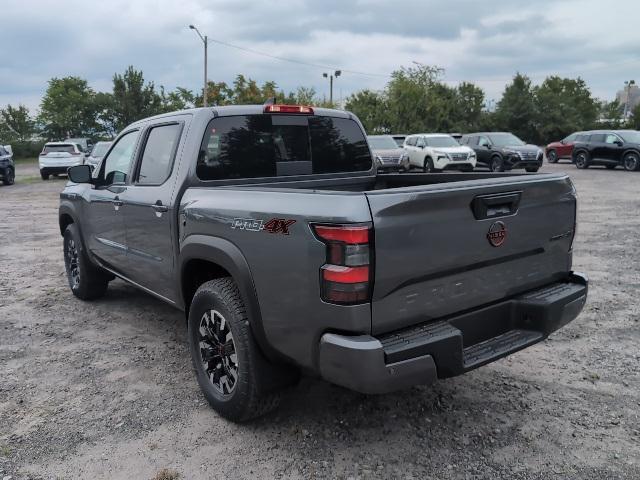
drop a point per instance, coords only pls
(452, 346)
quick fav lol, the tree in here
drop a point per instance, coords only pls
(132, 99)
(634, 121)
(610, 115)
(179, 99)
(516, 109)
(563, 105)
(470, 102)
(371, 108)
(68, 108)
(16, 124)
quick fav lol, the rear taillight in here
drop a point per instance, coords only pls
(345, 278)
(302, 109)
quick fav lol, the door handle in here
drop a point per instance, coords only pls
(159, 207)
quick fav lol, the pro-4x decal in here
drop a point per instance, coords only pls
(275, 225)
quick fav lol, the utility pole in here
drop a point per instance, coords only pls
(337, 73)
(204, 41)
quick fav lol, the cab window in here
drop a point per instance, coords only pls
(117, 164)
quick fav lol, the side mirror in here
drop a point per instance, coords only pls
(487, 146)
(618, 143)
(80, 174)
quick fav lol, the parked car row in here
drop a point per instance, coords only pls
(436, 152)
(608, 148)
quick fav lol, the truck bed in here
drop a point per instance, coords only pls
(432, 254)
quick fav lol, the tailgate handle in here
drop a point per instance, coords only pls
(496, 205)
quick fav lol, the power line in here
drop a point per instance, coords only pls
(300, 62)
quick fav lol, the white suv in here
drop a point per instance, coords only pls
(434, 152)
(57, 157)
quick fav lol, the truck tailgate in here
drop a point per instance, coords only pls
(433, 244)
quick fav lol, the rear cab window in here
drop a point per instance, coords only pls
(263, 145)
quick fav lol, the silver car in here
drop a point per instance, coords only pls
(388, 156)
(98, 151)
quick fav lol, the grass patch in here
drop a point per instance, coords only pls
(20, 161)
(5, 451)
(166, 474)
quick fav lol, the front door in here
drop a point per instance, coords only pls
(614, 148)
(150, 215)
(107, 232)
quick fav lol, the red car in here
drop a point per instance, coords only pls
(562, 149)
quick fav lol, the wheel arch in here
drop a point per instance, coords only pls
(628, 151)
(203, 258)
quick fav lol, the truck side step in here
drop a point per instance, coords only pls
(497, 347)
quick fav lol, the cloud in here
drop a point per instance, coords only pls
(484, 42)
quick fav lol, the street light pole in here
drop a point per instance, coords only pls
(337, 73)
(204, 41)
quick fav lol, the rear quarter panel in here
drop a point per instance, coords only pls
(285, 268)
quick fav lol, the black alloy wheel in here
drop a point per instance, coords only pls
(218, 352)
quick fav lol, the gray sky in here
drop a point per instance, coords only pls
(483, 42)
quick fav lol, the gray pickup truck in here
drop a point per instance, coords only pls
(270, 228)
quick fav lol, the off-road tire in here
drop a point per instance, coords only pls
(250, 397)
(88, 281)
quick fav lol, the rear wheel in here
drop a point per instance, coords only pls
(230, 369)
(86, 281)
(497, 164)
(631, 162)
(552, 156)
(44, 175)
(9, 176)
(582, 160)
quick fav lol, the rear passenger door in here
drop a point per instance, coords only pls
(149, 213)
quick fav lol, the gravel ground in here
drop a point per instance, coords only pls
(104, 390)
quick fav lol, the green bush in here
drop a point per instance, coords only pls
(26, 149)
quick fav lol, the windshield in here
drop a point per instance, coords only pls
(382, 143)
(631, 137)
(442, 142)
(505, 140)
(100, 149)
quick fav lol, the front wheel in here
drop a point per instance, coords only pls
(496, 165)
(9, 176)
(43, 175)
(631, 162)
(552, 156)
(582, 160)
(229, 367)
(86, 281)
(427, 166)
